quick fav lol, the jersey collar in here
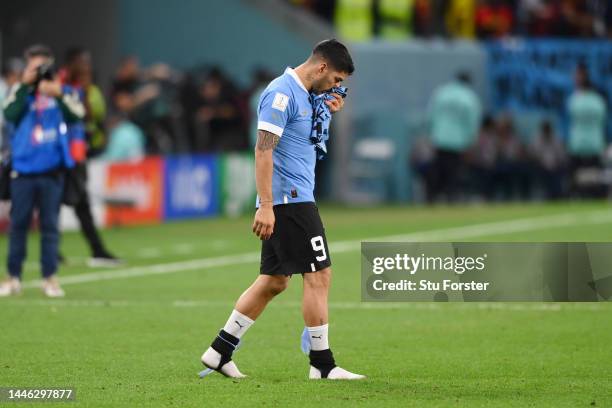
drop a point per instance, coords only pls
(296, 78)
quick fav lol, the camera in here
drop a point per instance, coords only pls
(45, 71)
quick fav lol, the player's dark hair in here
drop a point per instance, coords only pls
(336, 54)
(37, 50)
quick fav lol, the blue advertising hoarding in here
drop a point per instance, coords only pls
(191, 187)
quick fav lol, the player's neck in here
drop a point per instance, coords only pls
(305, 76)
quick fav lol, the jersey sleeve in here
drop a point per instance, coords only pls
(275, 109)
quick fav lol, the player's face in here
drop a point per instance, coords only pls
(327, 78)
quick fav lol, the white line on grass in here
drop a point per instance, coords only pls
(148, 253)
(505, 306)
(443, 234)
(183, 249)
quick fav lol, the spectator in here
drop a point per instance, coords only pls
(11, 73)
(133, 97)
(126, 84)
(511, 170)
(540, 18)
(494, 18)
(126, 141)
(261, 79)
(354, 19)
(422, 158)
(77, 72)
(423, 18)
(483, 157)
(549, 157)
(394, 19)
(576, 19)
(460, 18)
(455, 112)
(217, 118)
(601, 10)
(587, 115)
(357, 20)
(39, 108)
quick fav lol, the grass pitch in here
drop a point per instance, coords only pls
(133, 336)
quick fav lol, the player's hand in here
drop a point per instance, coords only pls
(336, 104)
(263, 225)
(50, 88)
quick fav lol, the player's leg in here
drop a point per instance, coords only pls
(316, 292)
(315, 311)
(255, 299)
(273, 280)
(311, 254)
(248, 308)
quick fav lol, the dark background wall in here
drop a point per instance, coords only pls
(62, 24)
(231, 33)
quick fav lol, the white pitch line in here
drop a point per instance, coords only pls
(157, 269)
(183, 249)
(148, 253)
(431, 306)
(220, 244)
(445, 234)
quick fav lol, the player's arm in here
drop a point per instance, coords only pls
(263, 225)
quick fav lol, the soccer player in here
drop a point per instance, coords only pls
(287, 220)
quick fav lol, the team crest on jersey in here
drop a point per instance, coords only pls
(280, 101)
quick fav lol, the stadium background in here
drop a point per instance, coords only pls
(154, 315)
(519, 71)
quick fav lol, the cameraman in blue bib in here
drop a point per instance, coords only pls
(39, 109)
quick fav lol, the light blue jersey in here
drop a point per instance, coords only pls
(285, 110)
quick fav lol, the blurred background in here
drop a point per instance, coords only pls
(452, 101)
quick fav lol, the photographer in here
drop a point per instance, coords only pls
(87, 139)
(39, 109)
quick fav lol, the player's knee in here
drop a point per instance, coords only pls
(318, 280)
(277, 285)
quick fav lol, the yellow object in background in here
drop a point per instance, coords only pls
(460, 21)
(353, 19)
(395, 19)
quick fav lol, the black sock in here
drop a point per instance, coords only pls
(225, 344)
(323, 360)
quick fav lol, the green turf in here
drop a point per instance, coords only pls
(137, 341)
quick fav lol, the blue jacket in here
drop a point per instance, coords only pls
(39, 142)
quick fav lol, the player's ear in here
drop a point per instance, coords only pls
(322, 67)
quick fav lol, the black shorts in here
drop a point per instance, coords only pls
(298, 243)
